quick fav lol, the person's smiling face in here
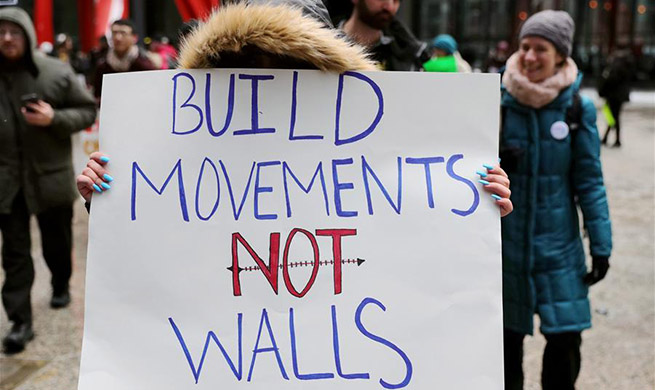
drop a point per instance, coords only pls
(539, 58)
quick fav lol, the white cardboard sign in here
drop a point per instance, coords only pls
(295, 230)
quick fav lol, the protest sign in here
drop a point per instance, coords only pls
(295, 230)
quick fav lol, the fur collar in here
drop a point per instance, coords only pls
(275, 29)
(537, 95)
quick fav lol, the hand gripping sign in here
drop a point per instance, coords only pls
(295, 230)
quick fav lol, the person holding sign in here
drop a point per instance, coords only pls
(317, 46)
(293, 35)
(550, 149)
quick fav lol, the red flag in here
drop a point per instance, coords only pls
(43, 21)
(96, 17)
(107, 12)
(195, 9)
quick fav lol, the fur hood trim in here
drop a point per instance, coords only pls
(275, 29)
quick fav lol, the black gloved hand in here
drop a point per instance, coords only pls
(599, 267)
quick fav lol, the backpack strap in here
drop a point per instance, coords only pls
(574, 114)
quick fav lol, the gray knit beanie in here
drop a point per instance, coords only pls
(555, 26)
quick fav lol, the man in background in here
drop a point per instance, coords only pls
(123, 55)
(42, 103)
(373, 24)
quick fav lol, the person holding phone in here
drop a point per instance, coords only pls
(42, 103)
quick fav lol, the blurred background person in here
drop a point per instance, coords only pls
(160, 52)
(445, 57)
(614, 86)
(550, 149)
(497, 57)
(373, 24)
(42, 105)
(65, 51)
(123, 55)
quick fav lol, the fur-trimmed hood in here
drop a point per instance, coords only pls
(278, 29)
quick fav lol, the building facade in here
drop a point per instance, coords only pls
(601, 26)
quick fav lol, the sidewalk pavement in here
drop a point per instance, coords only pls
(617, 353)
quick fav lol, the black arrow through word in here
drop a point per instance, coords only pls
(321, 263)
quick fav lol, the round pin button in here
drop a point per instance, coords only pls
(559, 130)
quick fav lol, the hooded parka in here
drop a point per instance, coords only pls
(543, 256)
(299, 30)
(38, 160)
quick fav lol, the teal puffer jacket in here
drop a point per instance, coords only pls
(543, 256)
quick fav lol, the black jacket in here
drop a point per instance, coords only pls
(37, 160)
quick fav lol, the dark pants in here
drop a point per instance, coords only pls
(561, 361)
(615, 108)
(56, 241)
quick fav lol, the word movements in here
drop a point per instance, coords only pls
(283, 174)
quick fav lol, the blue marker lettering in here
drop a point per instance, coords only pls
(208, 109)
(387, 343)
(218, 189)
(338, 187)
(236, 212)
(180, 182)
(294, 104)
(185, 104)
(319, 171)
(272, 348)
(337, 353)
(366, 170)
(259, 190)
(210, 336)
(426, 161)
(294, 355)
(378, 92)
(476, 195)
(254, 105)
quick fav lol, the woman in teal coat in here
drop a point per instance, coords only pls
(554, 166)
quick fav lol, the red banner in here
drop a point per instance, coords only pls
(108, 11)
(195, 9)
(43, 21)
(95, 18)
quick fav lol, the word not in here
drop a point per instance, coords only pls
(205, 115)
(270, 271)
(284, 174)
(264, 323)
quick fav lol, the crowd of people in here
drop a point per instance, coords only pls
(549, 148)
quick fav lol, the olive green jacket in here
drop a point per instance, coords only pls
(38, 160)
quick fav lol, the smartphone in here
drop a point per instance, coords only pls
(29, 98)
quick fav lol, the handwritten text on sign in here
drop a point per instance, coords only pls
(294, 229)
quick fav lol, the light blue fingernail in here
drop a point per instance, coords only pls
(490, 167)
(98, 189)
(481, 173)
(107, 177)
(104, 159)
(496, 197)
(484, 182)
(498, 160)
(105, 186)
